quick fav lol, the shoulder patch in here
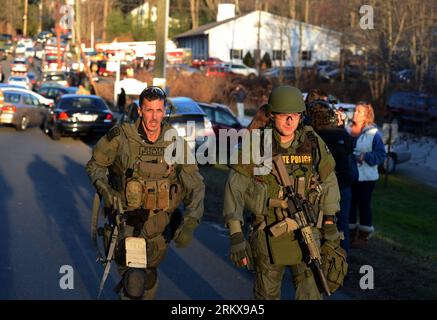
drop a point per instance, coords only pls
(114, 132)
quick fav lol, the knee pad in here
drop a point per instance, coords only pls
(134, 283)
(151, 277)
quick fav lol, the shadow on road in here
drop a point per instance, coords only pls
(56, 193)
(6, 277)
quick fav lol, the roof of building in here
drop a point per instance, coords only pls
(202, 29)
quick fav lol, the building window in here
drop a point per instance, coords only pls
(306, 55)
(236, 54)
(278, 54)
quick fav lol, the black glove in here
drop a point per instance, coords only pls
(184, 234)
(241, 254)
(109, 195)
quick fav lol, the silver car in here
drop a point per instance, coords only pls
(21, 110)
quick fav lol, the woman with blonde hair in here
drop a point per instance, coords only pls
(369, 152)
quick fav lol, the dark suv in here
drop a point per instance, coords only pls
(413, 110)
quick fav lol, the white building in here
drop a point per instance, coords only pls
(230, 39)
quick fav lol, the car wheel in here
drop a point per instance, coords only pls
(54, 134)
(390, 163)
(252, 76)
(24, 122)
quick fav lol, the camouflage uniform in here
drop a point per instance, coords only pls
(134, 165)
(310, 164)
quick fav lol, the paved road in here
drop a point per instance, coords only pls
(45, 204)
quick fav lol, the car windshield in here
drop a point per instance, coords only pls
(181, 107)
(82, 103)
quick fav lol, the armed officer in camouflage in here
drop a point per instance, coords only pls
(311, 168)
(128, 166)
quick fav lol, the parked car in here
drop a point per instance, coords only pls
(26, 42)
(22, 81)
(332, 74)
(241, 69)
(287, 73)
(29, 53)
(21, 109)
(55, 76)
(20, 49)
(219, 71)
(79, 115)
(221, 117)
(399, 149)
(211, 61)
(19, 65)
(44, 36)
(321, 65)
(413, 110)
(49, 103)
(54, 92)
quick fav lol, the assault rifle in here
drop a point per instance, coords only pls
(301, 216)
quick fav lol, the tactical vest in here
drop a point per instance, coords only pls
(301, 165)
(141, 174)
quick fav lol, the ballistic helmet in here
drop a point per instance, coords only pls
(286, 99)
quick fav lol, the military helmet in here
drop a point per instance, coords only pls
(320, 113)
(286, 99)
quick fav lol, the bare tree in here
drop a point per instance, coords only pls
(194, 11)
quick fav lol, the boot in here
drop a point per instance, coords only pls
(363, 236)
(353, 233)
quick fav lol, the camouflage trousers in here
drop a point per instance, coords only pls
(268, 276)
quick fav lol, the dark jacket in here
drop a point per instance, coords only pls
(340, 143)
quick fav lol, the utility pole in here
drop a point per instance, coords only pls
(92, 35)
(161, 41)
(105, 17)
(25, 18)
(40, 16)
(82, 54)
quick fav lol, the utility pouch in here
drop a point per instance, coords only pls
(157, 194)
(136, 256)
(285, 226)
(155, 224)
(151, 194)
(163, 194)
(285, 250)
(134, 193)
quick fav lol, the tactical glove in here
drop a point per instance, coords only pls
(184, 234)
(241, 254)
(334, 263)
(109, 195)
